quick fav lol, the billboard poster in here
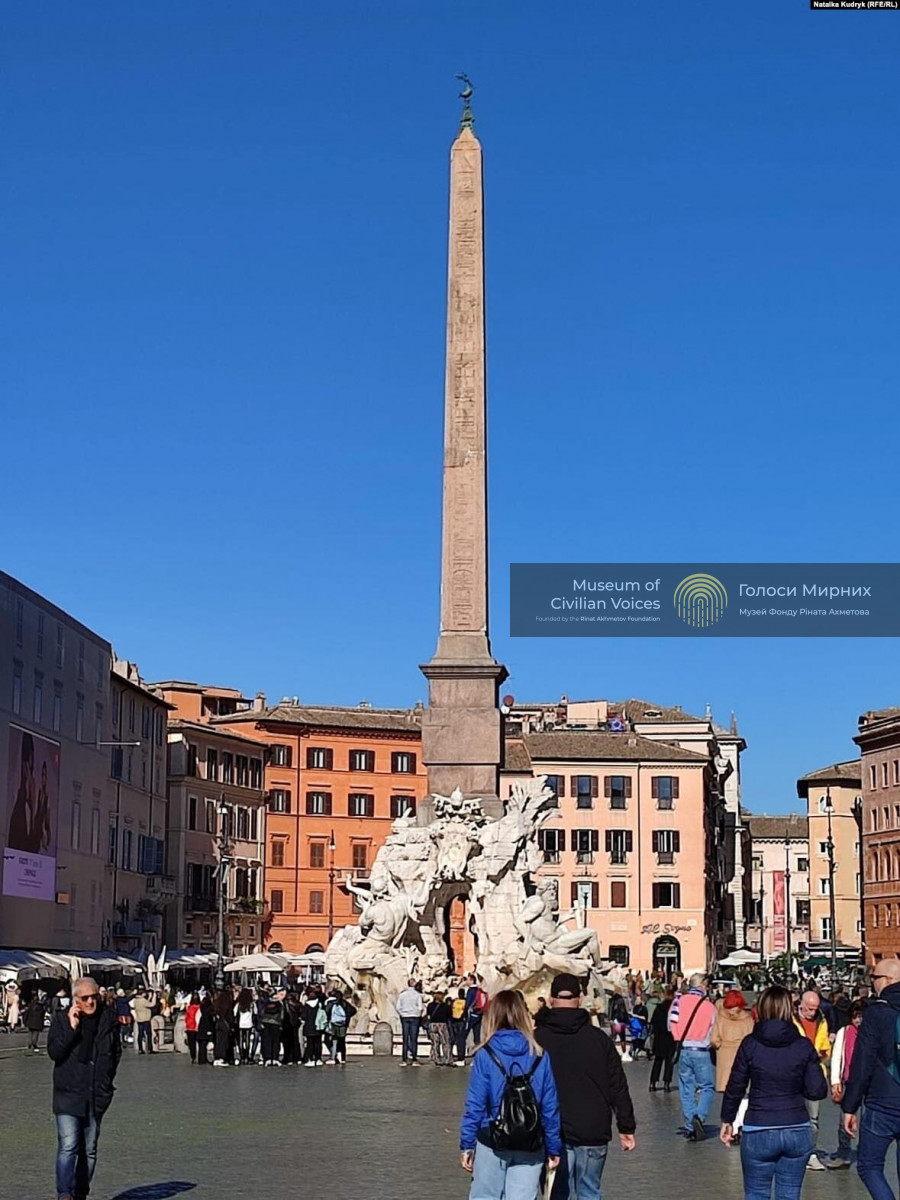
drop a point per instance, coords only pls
(779, 941)
(32, 807)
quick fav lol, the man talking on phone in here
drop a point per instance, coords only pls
(84, 1044)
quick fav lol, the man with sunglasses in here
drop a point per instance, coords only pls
(875, 1081)
(85, 1047)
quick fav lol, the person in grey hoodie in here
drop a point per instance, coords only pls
(410, 1006)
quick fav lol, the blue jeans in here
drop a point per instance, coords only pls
(779, 1154)
(696, 1084)
(410, 1027)
(877, 1129)
(578, 1177)
(506, 1174)
(76, 1154)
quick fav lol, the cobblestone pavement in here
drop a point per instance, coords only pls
(370, 1131)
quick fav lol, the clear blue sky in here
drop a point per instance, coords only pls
(223, 309)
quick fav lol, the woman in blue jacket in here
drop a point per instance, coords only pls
(783, 1071)
(507, 1174)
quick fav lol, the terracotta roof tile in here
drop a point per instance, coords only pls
(332, 717)
(793, 825)
(516, 756)
(564, 744)
(842, 772)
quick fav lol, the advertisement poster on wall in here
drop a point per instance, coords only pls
(32, 806)
(779, 941)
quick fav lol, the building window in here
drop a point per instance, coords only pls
(20, 621)
(243, 770)
(402, 806)
(802, 864)
(318, 804)
(619, 844)
(872, 778)
(360, 804)
(667, 895)
(557, 785)
(17, 687)
(277, 852)
(585, 843)
(585, 894)
(317, 902)
(211, 817)
(884, 774)
(111, 846)
(617, 790)
(317, 854)
(585, 790)
(132, 713)
(160, 727)
(803, 912)
(276, 902)
(79, 717)
(664, 790)
(319, 758)
(619, 954)
(666, 844)
(40, 636)
(60, 647)
(617, 893)
(76, 824)
(403, 763)
(280, 756)
(57, 707)
(823, 887)
(255, 774)
(192, 812)
(37, 700)
(360, 856)
(115, 762)
(212, 765)
(279, 800)
(254, 824)
(553, 844)
(823, 849)
(192, 761)
(825, 928)
(127, 846)
(362, 760)
(80, 659)
(897, 770)
(227, 767)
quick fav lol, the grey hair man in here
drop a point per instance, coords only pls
(85, 1047)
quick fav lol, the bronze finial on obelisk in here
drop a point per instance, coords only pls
(461, 728)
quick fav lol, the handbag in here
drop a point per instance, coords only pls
(679, 1042)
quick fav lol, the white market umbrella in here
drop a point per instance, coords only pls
(258, 962)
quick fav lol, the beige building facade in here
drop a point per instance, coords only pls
(55, 791)
(834, 792)
(779, 919)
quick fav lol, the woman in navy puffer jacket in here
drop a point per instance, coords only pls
(507, 1174)
(783, 1071)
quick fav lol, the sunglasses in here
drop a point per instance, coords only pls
(90, 998)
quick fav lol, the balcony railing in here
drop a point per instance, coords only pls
(206, 904)
(585, 857)
(554, 857)
(665, 858)
(161, 887)
(618, 858)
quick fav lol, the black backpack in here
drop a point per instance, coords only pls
(517, 1125)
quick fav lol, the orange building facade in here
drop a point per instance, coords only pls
(335, 779)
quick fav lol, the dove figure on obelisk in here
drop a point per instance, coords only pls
(461, 728)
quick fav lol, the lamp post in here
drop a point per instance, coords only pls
(224, 860)
(829, 846)
(858, 818)
(332, 846)
(787, 901)
(762, 917)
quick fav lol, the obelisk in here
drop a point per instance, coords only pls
(461, 728)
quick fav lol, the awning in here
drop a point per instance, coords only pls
(187, 959)
(31, 964)
(259, 962)
(740, 958)
(104, 960)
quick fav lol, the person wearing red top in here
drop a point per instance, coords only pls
(191, 1019)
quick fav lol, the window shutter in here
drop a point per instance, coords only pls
(607, 786)
(595, 840)
(328, 804)
(370, 806)
(574, 894)
(412, 763)
(594, 787)
(595, 895)
(573, 785)
(676, 841)
(656, 841)
(674, 787)
(656, 895)
(309, 757)
(561, 839)
(608, 841)
(676, 895)
(627, 787)
(629, 841)
(160, 856)
(654, 788)
(288, 753)
(329, 760)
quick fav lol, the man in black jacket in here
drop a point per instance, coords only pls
(873, 1081)
(591, 1085)
(84, 1044)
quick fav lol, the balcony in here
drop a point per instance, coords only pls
(618, 858)
(666, 858)
(201, 904)
(585, 858)
(161, 888)
(247, 904)
(553, 857)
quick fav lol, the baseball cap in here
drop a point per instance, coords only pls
(567, 986)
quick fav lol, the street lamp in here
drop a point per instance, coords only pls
(829, 846)
(332, 846)
(224, 860)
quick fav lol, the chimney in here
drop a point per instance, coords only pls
(259, 701)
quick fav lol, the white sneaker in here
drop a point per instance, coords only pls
(459, 1064)
(309, 1064)
(815, 1163)
(276, 1063)
(627, 1058)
